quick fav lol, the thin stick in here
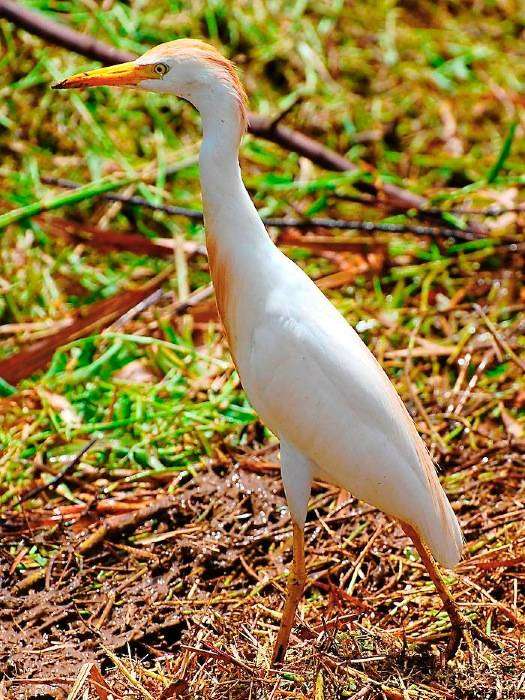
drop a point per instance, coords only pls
(59, 477)
(129, 199)
(287, 222)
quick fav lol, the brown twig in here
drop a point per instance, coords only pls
(120, 523)
(60, 476)
(60, 34)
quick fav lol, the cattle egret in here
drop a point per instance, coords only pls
(305, 370)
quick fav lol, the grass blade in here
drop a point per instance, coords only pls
(93, 189)
(504, 153)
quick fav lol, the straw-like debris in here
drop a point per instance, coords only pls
(152, 563)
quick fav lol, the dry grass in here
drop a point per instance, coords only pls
(191, 595)
(103, 597)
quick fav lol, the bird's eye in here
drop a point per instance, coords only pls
(161, 69)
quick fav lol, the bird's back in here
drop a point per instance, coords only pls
(316, 384)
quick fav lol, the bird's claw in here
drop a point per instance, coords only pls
(278, 655)
(463, 628)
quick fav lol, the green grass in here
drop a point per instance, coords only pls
(164, 425)
(429, 98)
(424, 95)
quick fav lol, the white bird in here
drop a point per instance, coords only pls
(305, 370)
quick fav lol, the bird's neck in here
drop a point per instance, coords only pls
(236, 239)
(231, 220)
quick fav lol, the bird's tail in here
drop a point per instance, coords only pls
(434, 520)
(440, 529)
(443, 535)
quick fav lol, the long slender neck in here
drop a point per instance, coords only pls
(236, 239)
(231, 220)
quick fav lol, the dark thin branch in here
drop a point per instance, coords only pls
(135, 201)
(62, 35)
(493, 210)
(59, 477)
(371, 226)
(264, 127)
(288, 222)
(294, 140)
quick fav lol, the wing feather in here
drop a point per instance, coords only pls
(318, 386)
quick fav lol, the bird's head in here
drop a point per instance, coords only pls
(190, 69)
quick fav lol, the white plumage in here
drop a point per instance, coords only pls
(309, 375)
(305, 370)
(318, 387)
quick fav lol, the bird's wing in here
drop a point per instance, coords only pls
(317, 385)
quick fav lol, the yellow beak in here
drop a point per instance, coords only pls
(130, 73)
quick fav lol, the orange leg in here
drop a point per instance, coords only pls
(461, 626)
(295, 587)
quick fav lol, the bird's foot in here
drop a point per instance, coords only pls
(278, 655)
(463, 628)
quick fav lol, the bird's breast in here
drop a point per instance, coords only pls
(234, 298)
(222, 282)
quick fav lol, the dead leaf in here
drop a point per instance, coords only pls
(60, 404)
(136, 372)
(83, 322)
(512, 426)
(177, 689)
(519, 399)
(99, 684)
